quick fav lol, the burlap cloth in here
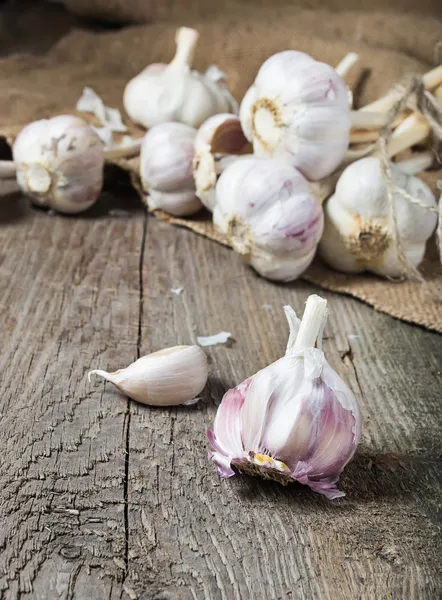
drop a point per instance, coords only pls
(238, 37)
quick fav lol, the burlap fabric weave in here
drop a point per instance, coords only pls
(392, 38)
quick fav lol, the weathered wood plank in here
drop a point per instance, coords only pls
(69, 300)
(193, 536)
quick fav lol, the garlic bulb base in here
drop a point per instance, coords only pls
(239, 236)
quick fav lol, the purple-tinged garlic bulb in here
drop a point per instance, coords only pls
(295, 420)
(298, 111)
(59, 163)
(219, 142)
(270, 216)
(166, 169)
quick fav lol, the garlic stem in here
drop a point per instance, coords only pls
(413, 130)
(123, 150)
(312, 323)
(186, 40)
(438, 92)
(7, 169)
(367, 120)
(346, 64)
(420, 161)
(363, 136)
(431, 80)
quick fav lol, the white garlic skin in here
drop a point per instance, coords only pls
(218, 143)
(165, 378)
(297, 110)
(269, 214)
(166, 169)
(357, 231)
(60, 163)
(160, 94)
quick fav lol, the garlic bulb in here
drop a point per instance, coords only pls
(165, 378)
(295, 420)
(174, 92)
(358, 223)
(166, 168)
(297, 110)
(59, 163)
(218, 143)
(270, 216)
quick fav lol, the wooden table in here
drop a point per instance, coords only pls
(104, 498)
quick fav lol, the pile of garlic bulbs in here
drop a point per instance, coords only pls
(265, 173)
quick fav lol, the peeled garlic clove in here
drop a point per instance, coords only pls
(59, 163)
(218, 141)
(165, 378)
(166, 168)
(163, 93)
(295, 420)
(270, 216)
(298, 111)
(358, 230)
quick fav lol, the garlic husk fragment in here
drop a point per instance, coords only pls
(219, 142)
(358, 230)
(298, 111)
(270, 216)
(163, 93)
(295, 420)
(59, 163)
(166, 169)
(165, 378)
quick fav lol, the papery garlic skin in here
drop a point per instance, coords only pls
(166, 169)
(165, 378)
(270, 216)
(358, 224)
(60, 163)
(294, 420)
(219, 142)
(298, 111)
(174, 92)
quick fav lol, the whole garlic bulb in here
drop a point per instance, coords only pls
(59, 163)
(166, 169)
(163, 93)
(164, 378)
(298, 110)
(295, 420)
(358, 224)
(218, 143)
(269, 214)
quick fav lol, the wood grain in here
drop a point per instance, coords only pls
(103, 498)
(69, 301)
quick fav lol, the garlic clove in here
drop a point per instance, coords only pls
(218, 142)
(358, 231)
(295, 420)
(59, 163)
(269, 215)
(166, 168)
(165, 378)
